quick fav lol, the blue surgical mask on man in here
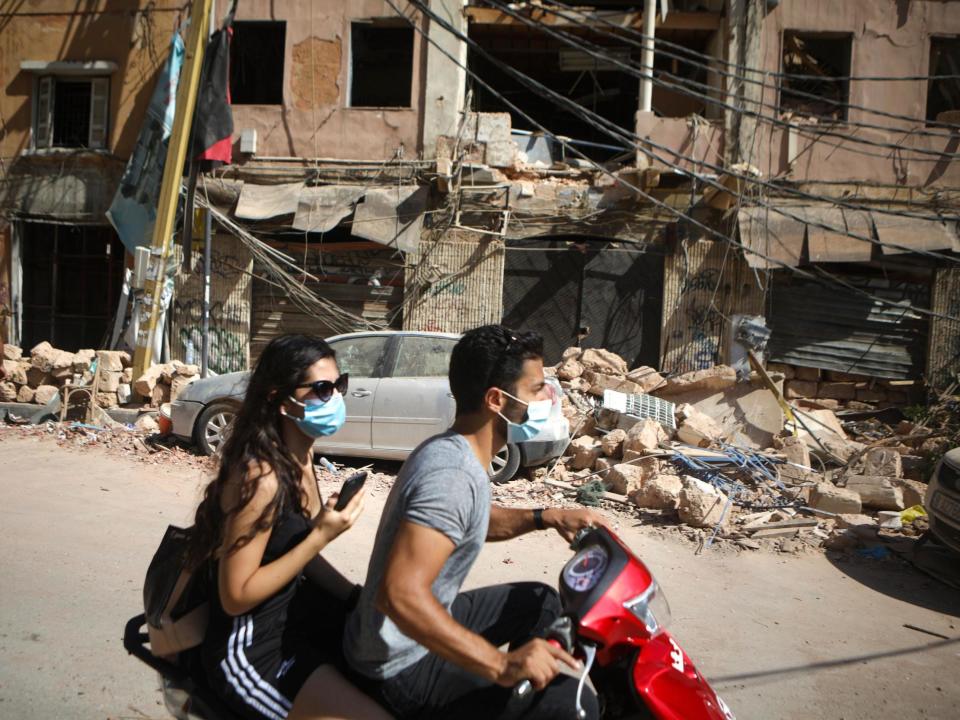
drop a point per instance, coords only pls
(321, 419)
(538, 415)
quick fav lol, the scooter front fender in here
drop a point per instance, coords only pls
(667, 682)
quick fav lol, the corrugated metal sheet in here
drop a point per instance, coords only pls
(704, 284)
(455, 283)
(230, 294)
(836, 329)
(943, 356)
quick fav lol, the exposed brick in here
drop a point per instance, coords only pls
(800, 389)
(837, 390)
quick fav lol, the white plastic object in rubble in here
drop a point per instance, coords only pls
(141, 266)
(248, 141)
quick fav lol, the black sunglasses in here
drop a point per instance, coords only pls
(323, 389)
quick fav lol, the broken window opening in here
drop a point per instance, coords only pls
(257, 52)
(825, 55)
(381, 64)
(944, 95)
(596, 83)
(71, 113)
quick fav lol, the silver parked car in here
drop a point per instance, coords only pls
(399, 396)
(942, 500)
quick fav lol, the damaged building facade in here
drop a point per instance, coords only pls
(438, 165)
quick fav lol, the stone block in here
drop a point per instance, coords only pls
(876, 492)
(569, 369)
(660, 492)
(883, 461)
(107, 399)
(785, 370)
(11, 352)
(15, 372)
(829, 498)
(837, 376)
(586, 451)
(713, 379)
(612, 443)
(701, 504)
(837, 390)
(501, 154)
(127, 376)
(602, 465)
(37, 377)
(805, 373)
(147, 423)
(179, 383)
(647, 378)
(43, 355)
(647, 434)
(25, 394)
(914, 491)
(626, 479)
(600, 382)
(124, 393)
(83, 359)
(167, 371)
(603, 362)
(793, 389)
(109, 380)
(697, 428)
(850, 520)
(44, 394)
(111, 360)
(819, 403)
(160, 394)
(8, 392)
(145, 384)
(571, 352)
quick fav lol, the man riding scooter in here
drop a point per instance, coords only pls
(415, 642)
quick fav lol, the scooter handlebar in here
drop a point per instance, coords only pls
(523, 688)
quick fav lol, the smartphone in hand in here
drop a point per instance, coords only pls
(351, 487)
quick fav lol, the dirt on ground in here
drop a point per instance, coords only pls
(809, 635)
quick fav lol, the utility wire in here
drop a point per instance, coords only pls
(710, 63)
(748, 68)
(824, 275)
(615, 131)
(682, 87)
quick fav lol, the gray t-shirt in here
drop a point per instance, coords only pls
(441, 486)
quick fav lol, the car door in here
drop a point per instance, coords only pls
(414, 400)
(363, 357)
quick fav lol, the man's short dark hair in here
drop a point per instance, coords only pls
(486, 357)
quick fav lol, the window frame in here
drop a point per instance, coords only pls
(933, 37)
(43, 112)
(386, 23)
(237, 26)
(847, 35)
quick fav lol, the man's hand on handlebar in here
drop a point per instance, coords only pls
(537, 661)
(569, 522)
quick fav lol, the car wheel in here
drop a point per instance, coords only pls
(505, 464)
(212, 426)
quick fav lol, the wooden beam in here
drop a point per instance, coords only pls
(634, 20)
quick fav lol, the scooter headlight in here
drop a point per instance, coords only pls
(651, 608)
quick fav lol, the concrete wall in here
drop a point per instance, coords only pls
(314, 120)
(115, 30)
(890, 39)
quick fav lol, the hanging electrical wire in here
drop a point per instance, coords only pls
(713, 65)
(681, 86)
(821, 276)
(634, 142)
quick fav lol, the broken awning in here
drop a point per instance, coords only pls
(825, 245)
(907, 234)
(320, 209)
(770, 240)
(392, 216)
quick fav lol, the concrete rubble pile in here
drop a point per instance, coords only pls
(729, 471)
(42, 374)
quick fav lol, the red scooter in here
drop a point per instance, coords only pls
(614, 619)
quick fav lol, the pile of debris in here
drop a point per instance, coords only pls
(40, 376)
(714, 453)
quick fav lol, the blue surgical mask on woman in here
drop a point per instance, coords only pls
(321, 419)
(538, 415)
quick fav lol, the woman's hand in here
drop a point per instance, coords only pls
(329, 523)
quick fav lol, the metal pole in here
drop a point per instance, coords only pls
(205, 341)
(646, 58)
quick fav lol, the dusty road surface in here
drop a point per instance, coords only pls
(779, 636)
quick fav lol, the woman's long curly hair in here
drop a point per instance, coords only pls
(255, 441)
